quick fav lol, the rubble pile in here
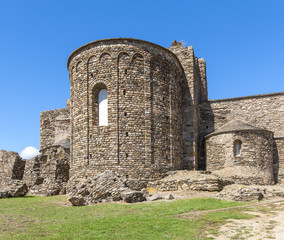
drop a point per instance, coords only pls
(105, 187)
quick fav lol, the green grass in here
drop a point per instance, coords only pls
(48, 218)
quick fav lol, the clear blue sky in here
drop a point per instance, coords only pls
(241, 41)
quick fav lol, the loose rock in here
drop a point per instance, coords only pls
(14, 188)
(154, 197)
(170, 197)
(133, 196)
(105, 187)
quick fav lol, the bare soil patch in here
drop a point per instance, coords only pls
(268, 223)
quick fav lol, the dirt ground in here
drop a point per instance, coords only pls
(268, 222)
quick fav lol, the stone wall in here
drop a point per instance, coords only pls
(278, 158)
(48, 173)
(143, 138)
(158, 111)
(55, 128)
(12, 166)
(254, 164)
(194, 90)
(263, 111)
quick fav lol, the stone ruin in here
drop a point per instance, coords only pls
(11, 175)
(46, 174)
(139, 112)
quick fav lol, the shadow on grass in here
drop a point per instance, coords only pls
(29, 196)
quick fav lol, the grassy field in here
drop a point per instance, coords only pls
(50, 218)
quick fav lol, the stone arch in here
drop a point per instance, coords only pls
(72, 70)
(92, 59)
(138, 63)
(79, 66)
(123, 68)
(124, 58)
(137, 56)
(106, 65)
(92, 66)
(155, 64)
(105, 58)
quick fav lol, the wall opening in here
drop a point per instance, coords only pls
(237, 148)
(103, 113)
(99, 105)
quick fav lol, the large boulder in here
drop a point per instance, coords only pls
(132, 196)
(13, 188)
(189, 180)
(105, 187)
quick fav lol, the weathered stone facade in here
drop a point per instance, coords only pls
(262, 111)
(12, 166)
(159, 117)
(55, 127)
(194, 90)
(11, 175)
(253, 164)
(189, 180)
(48, 173)
(143, 135)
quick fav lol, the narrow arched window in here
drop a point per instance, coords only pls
(99, 105)
(103, 113)
(237, 148)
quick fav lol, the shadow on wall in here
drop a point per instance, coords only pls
(188, 125)
(206, 126)
(276, 159)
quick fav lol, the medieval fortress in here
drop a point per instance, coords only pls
(142, 110)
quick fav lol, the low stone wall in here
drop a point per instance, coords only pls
(189, 180)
